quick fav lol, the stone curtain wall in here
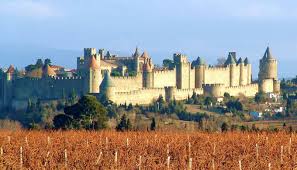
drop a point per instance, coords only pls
(126, 84)
(182, 94)
(247, 90)
(221, 75)
(217, 76)
(165, 78)
(142, 96)
(47, 88)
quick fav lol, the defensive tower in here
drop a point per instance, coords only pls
(183, 69)
(199, 72)
(147, 71)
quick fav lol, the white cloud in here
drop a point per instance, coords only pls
(27, 8)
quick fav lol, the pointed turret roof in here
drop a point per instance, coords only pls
(106, 82)
(199, 61)
(230, 60)
(267, 54)
(246, 61)
(93, 63)
(145, 55)
(10, 69)
(48, 71)
(240, 61)
(136, 53)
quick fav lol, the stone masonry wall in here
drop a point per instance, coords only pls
(142, 96)
(247, 90)
(126, 84)
(164, 78)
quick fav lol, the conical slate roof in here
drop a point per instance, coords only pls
(246, 61)
(94, 64)
(198, 62)
(267, 54)
(230, 60)
(136, 53)
(106, 82)
(239, 61)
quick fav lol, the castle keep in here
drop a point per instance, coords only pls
(136, 80)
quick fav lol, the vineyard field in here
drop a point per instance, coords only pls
(146, 150)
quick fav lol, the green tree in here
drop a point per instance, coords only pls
(167, 63)
(234, 106)
(227, 97)
(115, 73)
(39, 63)
(153, 124)
(208, 101)
(130, 107)
(124, 124)
(260, 97)
(224, 127)
(47, 62)
(88, 113)
(132, 73)
(62, 121)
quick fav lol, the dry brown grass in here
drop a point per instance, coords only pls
(89, 150)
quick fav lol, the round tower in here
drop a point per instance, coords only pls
(147, 71)
(136, 60)
(232, 72)
(107, 87)
(199, 73)
(242, 75)
(214, 90)
(249, 71)
(268, 66)
(170, 93)
(94, 75)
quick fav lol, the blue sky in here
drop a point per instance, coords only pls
(60, 29)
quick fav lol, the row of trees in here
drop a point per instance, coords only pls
(88, 113)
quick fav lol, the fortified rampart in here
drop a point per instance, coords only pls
(47, 88)
(164, 78)
(247, 90)
(179, 82)
(142, 96)
(229, 76)
(126, 84)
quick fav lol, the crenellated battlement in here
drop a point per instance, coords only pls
(67, 78)
(139, 91)
(164, 71)
(218, 68)
(213, 85)
(126, 78)
(243, 86)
